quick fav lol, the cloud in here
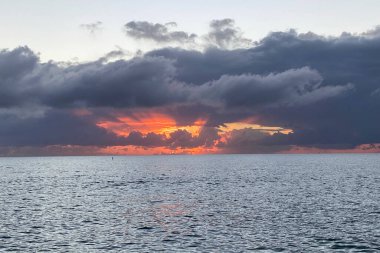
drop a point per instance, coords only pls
(14, 66)
(294, 87)
(92, 28)
(224, 34)
(55, 127)
(145, 82)
(64, 128)
(151, 81)
(373, 33)
(346, 65)
(117, 54)
(157, 32)
(323, 88)
(55, 150)
(247, 141)
(183, 139)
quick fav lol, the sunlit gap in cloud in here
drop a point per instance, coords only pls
(162, 124)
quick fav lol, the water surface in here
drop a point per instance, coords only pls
(219, 203)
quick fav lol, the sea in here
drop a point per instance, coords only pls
(199, 203)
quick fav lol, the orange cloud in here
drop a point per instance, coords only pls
(146, 122)
(153, 122)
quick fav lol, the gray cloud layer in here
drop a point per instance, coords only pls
(222, 34)
(325, 89)
(157, 32)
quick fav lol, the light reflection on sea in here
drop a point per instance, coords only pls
(219, 203)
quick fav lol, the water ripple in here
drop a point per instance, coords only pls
(231, 203)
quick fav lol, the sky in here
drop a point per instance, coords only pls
(53, 28)
(189, 77)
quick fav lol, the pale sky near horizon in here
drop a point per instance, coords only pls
(52, 28)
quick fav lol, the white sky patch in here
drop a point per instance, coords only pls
(51, 27)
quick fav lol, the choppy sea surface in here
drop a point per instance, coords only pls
(216, 203)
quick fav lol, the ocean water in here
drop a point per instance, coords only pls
(216, 203)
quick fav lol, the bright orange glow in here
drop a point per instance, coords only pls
(193, 129)
(133, 150)
(153, 122)
(148, 122)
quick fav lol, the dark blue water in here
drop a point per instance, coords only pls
(226, 203)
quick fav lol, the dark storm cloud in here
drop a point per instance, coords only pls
(184, 139)
(54, 128)
(245, 141)
(143, 82)
(14, 65)
(55, 150)
(136, 138)
(349, 65)
(177, 139)
(62, 127)
(138, 82)
(295, 87)
(157, 32)
(186, 114)
(324, 88)
(151, 81)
